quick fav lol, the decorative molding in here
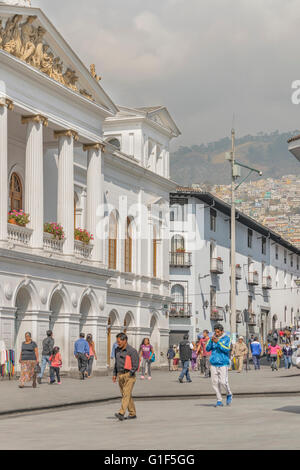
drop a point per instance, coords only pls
(96, 146)
(26, 42)
(35, 118)
(6, 102)
(67, 133)
(93, 73)
(8, 291)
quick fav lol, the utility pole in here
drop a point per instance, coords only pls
(232, 251)
(235, 173)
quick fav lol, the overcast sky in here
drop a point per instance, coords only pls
(203, 59)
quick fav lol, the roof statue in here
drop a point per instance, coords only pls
(20, 3)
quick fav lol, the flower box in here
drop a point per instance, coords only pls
(55, 229)
(18, 218)
(83, 235)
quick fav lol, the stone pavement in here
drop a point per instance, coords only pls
(164, 385)
(250, 423)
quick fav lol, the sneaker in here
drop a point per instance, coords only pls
(58, 383)
(142, 377)
(229, 400)
(149, 378)
(189, 381)
(119, 416)
(181, 381)
(131, 417)
(219, 403)
(39, 380)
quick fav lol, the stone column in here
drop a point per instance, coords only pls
(4, 106)
(34, 187)
(65, 197)
(95, 213)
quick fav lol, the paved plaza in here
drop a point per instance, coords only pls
(251, 423)
(163, 385)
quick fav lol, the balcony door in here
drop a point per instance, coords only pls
(15, 193)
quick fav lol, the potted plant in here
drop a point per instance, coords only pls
(238, 265)
(55, 229)
(83, 235)
(180, 250)
(18, 218)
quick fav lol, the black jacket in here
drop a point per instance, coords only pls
(48, 345)
(185, 351)
(120, 356)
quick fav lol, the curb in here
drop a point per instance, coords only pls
(23, 411)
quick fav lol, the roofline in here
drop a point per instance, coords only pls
(222, 206)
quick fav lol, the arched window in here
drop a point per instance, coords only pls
(15, 193)
(177, 293)
(128, 247)
(115, 142)
(112, 242)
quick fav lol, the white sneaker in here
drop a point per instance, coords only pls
(142, 377)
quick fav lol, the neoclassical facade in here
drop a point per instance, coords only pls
(70, 156)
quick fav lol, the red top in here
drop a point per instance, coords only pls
(203, 343)
(56, 360)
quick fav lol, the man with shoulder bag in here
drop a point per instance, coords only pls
(48, 345)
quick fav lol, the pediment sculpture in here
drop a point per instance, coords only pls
(24, 40)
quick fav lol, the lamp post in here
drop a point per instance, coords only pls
(235, 173)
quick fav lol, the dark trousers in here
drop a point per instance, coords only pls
(82, 363)
(54, 371)
(205, 366)
(256, 361)
(185, 371)
(90, 365)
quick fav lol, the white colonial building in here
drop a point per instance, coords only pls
(69, 155)
(266, 269)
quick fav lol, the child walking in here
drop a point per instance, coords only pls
(55, 365)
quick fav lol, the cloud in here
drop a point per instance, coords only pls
(203, 59)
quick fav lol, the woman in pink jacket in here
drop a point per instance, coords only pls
(274, 349)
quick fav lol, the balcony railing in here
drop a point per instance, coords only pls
(83, 250)
(181, 259)
(181, 309)
(19, 235)
(253, 278)
(267, 282)
(216, 266)
(51, 244)
(252, 319)
(238, 272)
(216, 313)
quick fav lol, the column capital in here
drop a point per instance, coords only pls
(35, 118)
(67, 133)
(6, 102)
(95, 146)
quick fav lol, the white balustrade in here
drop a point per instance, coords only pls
(52, 244)
(83, 250)
(19, 235)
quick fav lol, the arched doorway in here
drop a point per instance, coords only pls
(113, 326)
(129, 328)
(23, 305)
(155, 336)
(15, 193)
(60, 327)
(274, 322)
(85, 312)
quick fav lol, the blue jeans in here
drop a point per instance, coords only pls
(287, 361)
(256, 361)
(45, 361)
(185, 370)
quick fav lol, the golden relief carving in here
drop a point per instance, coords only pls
(26, 42)
(93, 73)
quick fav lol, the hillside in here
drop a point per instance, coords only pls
(206, 163)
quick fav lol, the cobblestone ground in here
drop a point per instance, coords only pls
(250, 423)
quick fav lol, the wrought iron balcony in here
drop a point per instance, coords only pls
(181, 259)
(179, 309)
(216, 265)
(267, 282)
(216, 313)
(238, 272)
(253, 278)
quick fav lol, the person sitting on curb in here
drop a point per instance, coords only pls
(219, 345)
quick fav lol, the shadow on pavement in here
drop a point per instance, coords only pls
(289, 409)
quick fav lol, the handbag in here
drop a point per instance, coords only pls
(37, 369)
(152, 358)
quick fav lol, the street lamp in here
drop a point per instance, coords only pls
(235, 173)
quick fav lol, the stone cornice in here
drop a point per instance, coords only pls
(67, 133)
(35, 118)
(6, 102)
